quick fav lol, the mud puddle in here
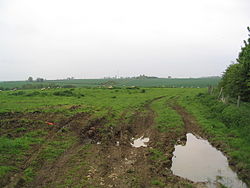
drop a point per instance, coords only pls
(199, 161)
(140, 142)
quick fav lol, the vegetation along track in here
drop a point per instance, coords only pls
(190, 124)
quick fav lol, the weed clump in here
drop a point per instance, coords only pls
(18, 93)
(143, 91)
(157, 182)
(68, 86)
(65, 93)
(32, 94)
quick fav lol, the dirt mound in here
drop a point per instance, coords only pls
(91, 133)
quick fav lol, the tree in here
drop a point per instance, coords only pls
(39, 79)
(236, 79)
(30, 79)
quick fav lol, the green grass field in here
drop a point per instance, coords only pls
(128, 82)
(49, 138)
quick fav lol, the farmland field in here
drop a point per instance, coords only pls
(126, 82)
(81, 137)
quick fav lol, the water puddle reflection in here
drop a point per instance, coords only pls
(199, 161)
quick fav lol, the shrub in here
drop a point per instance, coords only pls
(143, 91)
(33, 94)
(236, 78)
(18, 93)
(66, 93)
(68, 86)
(233, 116)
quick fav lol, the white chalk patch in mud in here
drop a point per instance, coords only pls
(117, 143)
(140, 142)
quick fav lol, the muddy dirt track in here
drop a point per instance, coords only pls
(104, 157)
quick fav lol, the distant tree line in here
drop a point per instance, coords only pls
(30, 79)
(142, 76)
(236, 79)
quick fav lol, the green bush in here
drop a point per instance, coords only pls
(66, 93)
(68, 86)
(236, 79)
(33, 94)
(143, 91)
(233, 116)
(18, 93)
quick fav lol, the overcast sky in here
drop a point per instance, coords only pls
(96, 38)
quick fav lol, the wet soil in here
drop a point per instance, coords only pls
(125, 166)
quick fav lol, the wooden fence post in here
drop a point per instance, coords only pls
(238, 101)
(220, 92)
